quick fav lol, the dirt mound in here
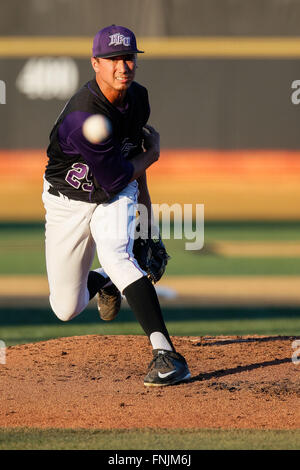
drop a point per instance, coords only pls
(97, 382)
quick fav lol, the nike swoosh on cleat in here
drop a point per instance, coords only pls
(162, 376)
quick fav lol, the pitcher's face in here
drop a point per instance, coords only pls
(115, 73)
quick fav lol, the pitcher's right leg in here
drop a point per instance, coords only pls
(70, 251)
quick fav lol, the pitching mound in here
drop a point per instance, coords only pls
(97, 382)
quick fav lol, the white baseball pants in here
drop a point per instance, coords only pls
(74, 231)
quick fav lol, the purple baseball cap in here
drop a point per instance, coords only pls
(113, 41)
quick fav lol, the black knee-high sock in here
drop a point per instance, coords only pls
(95, 282)
(142, 299)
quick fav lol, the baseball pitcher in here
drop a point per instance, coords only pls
(91, 192)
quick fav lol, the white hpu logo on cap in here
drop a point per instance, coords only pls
(117, 39)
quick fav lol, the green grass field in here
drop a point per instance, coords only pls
(22, 252)
(204, 439)
(28, 325)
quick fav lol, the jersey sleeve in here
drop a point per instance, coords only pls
(112, 171)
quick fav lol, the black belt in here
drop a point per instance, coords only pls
(53, 191)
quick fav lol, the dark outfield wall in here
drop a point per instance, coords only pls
(195, 103)
(152, 17)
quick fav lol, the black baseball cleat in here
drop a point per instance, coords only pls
(166, 368)
(109, 302)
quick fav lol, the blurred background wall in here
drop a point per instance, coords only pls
(212, 98)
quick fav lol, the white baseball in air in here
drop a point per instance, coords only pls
(96, 128)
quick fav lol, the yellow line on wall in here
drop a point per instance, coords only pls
(165, 47)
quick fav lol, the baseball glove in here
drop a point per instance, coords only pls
(152, 256)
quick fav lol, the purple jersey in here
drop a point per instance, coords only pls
(96, 172)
